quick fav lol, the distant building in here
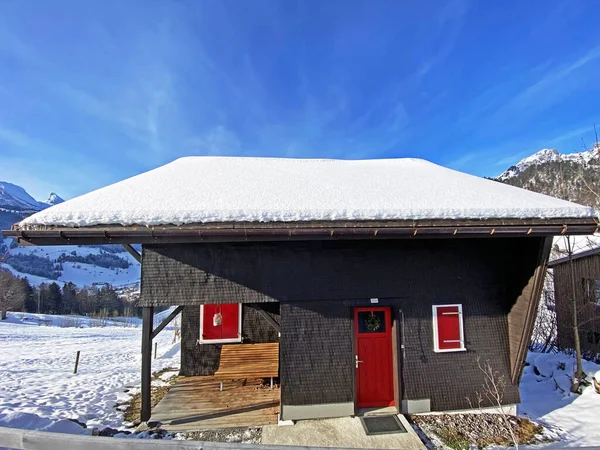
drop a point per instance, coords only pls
(586, 274)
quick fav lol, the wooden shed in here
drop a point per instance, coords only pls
(579, 274)
(379, 283)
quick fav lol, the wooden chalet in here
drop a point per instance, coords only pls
(345, 310)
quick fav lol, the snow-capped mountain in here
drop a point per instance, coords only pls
(15, 198)
(548, 155)
(53, 199)
(574, 176)
(81, 265)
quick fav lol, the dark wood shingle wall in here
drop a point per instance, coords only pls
(316, 353)
(319, 283)
(317, 357)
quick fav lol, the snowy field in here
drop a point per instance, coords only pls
(37, 361)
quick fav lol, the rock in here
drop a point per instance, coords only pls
(108, 432)
(81, 424)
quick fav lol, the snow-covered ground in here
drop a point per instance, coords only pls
(545, 398)
(36, 369)
(78, 273)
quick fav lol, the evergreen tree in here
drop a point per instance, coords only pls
(83, 301)
(69, 301)
(54, 299)
(30, 304)
(43, 298)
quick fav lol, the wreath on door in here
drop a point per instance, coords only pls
(372, 322)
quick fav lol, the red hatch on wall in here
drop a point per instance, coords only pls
(448, 332)
(221, 323)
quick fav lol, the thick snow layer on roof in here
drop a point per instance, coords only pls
(226, 189)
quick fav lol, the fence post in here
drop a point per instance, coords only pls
(76, 361)
(155, 349)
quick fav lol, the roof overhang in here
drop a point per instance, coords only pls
(286, 231)
(575, 256)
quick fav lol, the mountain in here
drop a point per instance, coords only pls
(53, 199)
(15, 198)
(81, 265)
(574, 176)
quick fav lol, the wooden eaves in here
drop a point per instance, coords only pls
(579, 255)
(284, 231)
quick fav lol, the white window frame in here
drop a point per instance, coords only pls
(221, 341)
(593, 290)
(436, 347)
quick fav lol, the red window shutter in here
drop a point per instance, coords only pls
(449, 320)
(230, 322)
(209, 331)
(230, 325)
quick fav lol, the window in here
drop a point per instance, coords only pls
(220, 324)
(592, 290)
(448, 334)
(371, 322)
(593, 337)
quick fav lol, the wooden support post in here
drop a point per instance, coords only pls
(76, 361)
(147, 324)
(133, 252)
(266, 316)
(166, 322)
(155, 349)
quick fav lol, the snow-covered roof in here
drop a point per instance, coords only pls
(237, 189)
(581, 246)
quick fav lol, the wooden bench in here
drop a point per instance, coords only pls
(240, 361)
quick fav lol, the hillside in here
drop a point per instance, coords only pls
(81, 265)
(574, 177)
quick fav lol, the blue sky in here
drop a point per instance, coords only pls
(93, 92)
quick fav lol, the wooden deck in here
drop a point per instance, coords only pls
(195, 403)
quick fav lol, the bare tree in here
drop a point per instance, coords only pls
(12, 293)
(575, 318)
(492, 393)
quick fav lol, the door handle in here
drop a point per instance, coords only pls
(357, 360)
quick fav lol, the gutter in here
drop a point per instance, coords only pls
(296, 231)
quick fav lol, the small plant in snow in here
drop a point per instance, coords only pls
(492, 393)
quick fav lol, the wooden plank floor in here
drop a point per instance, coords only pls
(195, 403)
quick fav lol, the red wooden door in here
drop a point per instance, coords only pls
(228, 329)
(373, 333)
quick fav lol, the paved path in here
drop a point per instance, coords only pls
(344, 432)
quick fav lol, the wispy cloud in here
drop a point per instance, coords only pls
(444, 32)
(551, 83)
(463, 161)
(553, 86)
(215, 141)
